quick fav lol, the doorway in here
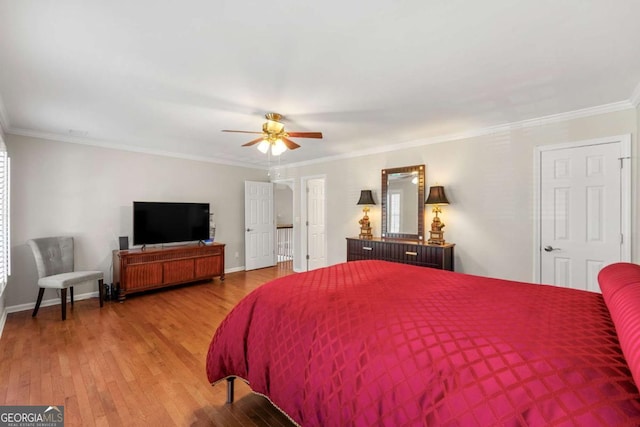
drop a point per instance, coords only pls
(583, 210)
(283, 201)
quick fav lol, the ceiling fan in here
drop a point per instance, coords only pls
(274, 137)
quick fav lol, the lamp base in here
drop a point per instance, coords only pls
(436, 238)
(436, 235)
(365, 233)
(365, 226)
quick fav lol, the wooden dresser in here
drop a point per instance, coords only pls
(139, 270)
(404, 251)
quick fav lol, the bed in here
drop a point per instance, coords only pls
(377, 343)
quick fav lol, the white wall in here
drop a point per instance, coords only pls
(488, 180)
(283, 200)
(59, 188)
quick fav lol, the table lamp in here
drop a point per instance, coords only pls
(366, 199)
(436, 198)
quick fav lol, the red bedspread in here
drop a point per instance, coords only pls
(375, 343)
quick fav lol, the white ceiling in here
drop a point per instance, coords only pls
(168, 76)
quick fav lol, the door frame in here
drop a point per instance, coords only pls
(625, 194)
(304, 214)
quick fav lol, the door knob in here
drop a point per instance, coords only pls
(249, 229)
(550, 248)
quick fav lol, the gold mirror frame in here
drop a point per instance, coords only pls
(407, 169)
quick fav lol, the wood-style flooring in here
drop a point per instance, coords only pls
(139, 363)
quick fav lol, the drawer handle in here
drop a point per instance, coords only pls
(367, 248)
(411, 253)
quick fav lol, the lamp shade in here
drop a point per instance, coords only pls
(436, 196)
(366, 198)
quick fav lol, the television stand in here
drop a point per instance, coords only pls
(138, 270)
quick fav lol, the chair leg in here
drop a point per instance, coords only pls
(63, 302)
(40, 294)
(71, 289)
(101, 291)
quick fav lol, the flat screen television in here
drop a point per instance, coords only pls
(163, 222)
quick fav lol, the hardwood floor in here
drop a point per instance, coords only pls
(132, 364)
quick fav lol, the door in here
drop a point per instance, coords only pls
(316, 238)
(259, 226)
(582, 210)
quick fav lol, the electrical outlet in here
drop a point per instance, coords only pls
(237, 254)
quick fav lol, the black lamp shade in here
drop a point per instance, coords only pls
(366, 198)
(436, 196)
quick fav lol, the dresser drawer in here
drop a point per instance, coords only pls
(411, 254)
(425, 256)
(364, 249)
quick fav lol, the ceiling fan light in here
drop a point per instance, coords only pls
(278, 148)
(263, 146)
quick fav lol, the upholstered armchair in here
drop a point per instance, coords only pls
(54, 260)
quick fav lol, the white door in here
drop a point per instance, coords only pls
(316, 239)
(259, 226)
(581, 213)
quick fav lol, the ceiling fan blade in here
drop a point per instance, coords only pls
(289, 143)
(305, 134)
(252, 142)
(240, 131)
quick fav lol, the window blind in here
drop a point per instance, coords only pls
(5, 260)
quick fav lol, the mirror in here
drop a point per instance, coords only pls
(403, 202)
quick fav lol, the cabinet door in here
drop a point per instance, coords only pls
(437, 257)
(142, 276)
(177, 271)
(431, 256)
(208, 266)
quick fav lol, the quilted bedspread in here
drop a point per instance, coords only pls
(373, 343)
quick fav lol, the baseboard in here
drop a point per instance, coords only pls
(80, 297)
(49, 302)
(3, 320)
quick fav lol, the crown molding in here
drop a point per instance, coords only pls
(575, 114)
(507, 127)
(127, 147)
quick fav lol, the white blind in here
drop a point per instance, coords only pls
(5, 261)
(394, 215)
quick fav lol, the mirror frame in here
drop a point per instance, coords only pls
(407, 169)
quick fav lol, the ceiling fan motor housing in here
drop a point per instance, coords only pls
(272, 127)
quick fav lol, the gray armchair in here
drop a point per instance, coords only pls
(54, 259)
